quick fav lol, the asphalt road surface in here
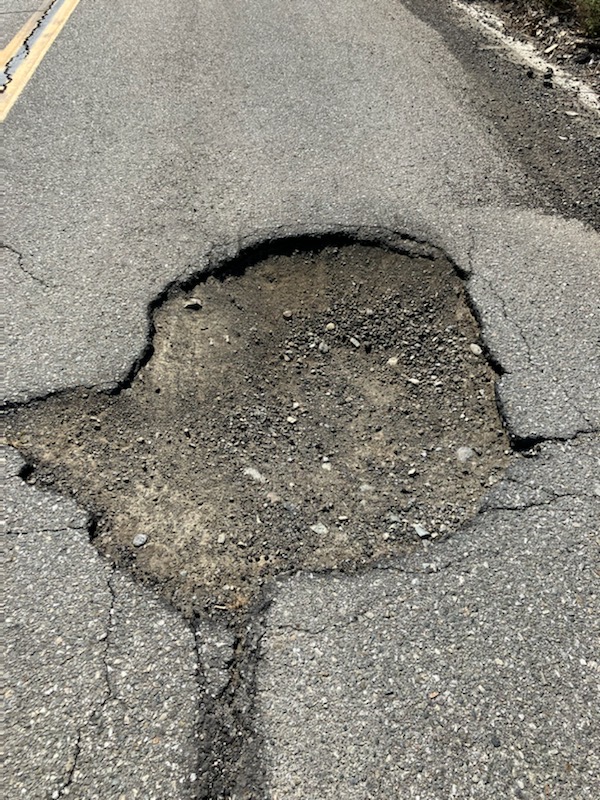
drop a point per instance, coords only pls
(157, 141)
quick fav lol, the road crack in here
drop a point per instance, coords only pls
(229, 763)
(64, 789)
(527, 505)
(25, 49)
(508, 318)
(62, 529)
(26, 270)
(107, 643)
(94, 715)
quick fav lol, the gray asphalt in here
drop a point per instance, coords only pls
(468, 670)
(159, 140)
(101, 681)
(13, 15)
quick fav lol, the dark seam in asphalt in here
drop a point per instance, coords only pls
(71, 773)
(538, 488)
(109, 689)
(107, 638)
(23, 268)
(225, 757)
(7, 70)
(535, 504)
(508, 319)
(519, 444)
(13, 532)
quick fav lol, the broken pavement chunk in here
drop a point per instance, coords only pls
(421, 532)
(193, 304)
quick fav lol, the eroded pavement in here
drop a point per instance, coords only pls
(464, 667)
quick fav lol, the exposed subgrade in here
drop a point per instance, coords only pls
(317, 409)
(314, 405)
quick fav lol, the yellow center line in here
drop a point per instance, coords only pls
(51, 28)
(11, 48)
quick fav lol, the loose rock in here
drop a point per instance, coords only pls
(139, 540)
(253, 473)
(463, 454)
(193, 304)
(319, 529)
(271, 401)
(421, 532)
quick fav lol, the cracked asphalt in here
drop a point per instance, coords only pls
(98, 673)
(467, 669)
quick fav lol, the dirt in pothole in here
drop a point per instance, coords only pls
(307, 414)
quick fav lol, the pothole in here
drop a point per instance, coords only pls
(321, 410)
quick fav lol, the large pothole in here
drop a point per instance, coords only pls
(321, 410)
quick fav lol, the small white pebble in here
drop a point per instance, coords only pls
(463, 454)
(319, 529)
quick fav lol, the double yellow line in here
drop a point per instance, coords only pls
(51, 21)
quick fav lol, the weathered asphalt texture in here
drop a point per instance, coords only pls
(158, 140)
(468, 670)
(100, 678)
